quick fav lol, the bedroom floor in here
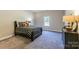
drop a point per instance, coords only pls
(48, 40)
(17, 42)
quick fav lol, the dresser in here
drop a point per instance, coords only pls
(71, 40)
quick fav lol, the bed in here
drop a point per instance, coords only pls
(30, 32)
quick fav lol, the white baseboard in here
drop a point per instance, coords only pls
(6, 37)
(53, 31)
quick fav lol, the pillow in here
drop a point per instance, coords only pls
(23, 24)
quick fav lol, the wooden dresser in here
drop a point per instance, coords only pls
(71, 40)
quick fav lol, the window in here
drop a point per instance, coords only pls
(46, 21)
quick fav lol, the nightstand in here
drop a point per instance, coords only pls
(71, 40)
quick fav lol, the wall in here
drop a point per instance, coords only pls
(69, 12)
(72, 12)
(7, 17)
(55, 19)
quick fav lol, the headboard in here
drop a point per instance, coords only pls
(15, 25)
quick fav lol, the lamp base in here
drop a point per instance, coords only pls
(69, 29)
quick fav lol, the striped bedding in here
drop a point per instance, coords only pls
(28, 30)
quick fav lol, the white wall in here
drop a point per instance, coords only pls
(7, 18)
(69, 12)
(55, 19)
(72, 12)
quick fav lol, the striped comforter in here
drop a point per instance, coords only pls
(28, 30)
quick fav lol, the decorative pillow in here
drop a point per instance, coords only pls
(23, 24)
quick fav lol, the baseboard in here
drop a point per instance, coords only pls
(54, 31)
(6, 37)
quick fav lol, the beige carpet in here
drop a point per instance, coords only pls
(48, 40)
(17, 42)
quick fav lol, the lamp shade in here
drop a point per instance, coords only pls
(77, 18)
(68, 19)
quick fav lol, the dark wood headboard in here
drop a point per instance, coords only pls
(15, 25)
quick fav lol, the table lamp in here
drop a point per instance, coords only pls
(77, 18)
(69, 20)
(77, 22)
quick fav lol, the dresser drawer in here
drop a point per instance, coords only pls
(71, 40)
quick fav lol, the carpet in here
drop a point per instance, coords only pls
(48, 40)
(15, 42)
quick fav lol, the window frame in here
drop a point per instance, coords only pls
(46, 22)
